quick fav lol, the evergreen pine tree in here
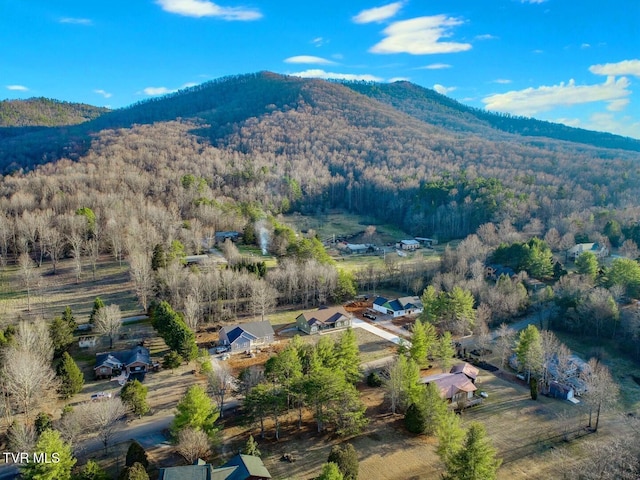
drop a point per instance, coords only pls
(71, 377)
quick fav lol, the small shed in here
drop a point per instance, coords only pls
(558, 390)
(87, 342)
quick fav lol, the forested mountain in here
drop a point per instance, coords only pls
(437, 109)
(44, 112)
(275, 143)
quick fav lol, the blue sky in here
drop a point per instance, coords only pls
(576, 62)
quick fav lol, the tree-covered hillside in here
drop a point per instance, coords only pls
(432, 107)
(45, 112)
(257, 138)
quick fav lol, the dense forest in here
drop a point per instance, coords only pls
(255, 138)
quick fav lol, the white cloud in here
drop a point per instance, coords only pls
(157, 91)
(607, 122)
(309, 59)
(76, 21)
(626, 67)
(103, 93)
(502, 81)
(317, 73)
(442, 90)
(420, 36)
(486, 36)
(205, 8)
(436, 66)
(398, 79)
(533, 1)
(319, 41)
(618, 105)
(538, 51)
(17, 88)
(531, 101)
(585, 45)
(164, 90)
(378, 14)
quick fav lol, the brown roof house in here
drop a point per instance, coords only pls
(247, 336)
(458, 384)
(240, 467)
(323, 319)
(135, 361)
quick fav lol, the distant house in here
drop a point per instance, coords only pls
(427, 242)
(599, 251)
(399, 306)
(247, 336)
(195, 259)
(240, 467)
(494, 272)
(220, 237)
(87, 342)
(134, 361)
(458, 384)
(359, 248)
(323, 319)
(408, 245)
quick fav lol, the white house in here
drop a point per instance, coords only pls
(399, 306)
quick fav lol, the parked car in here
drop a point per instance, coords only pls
(368, 315)
(484, 394)
(221, 349)
(100, 396)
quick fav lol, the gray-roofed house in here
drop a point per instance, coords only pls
(323, 319)
(408, 244)
(240, 467)
(399, 306)
(136, 360)
(247, 336)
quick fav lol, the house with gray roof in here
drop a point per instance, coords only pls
(135, 361)
(247, 336)
(398, 306)
(240, 467)
(323, 319)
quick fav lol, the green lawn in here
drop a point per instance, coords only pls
(341, 223)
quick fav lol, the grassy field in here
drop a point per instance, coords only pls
(53, 293)
(342, 224)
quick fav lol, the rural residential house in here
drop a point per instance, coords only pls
(247, 336)
(399, 306)
(240, 467)
(599, 251)
(457, 385)
(136, 360)
(323, 319)
(408, 244)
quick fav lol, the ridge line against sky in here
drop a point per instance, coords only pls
(576, 64)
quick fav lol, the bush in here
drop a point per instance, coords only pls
(346, 458)
(415, 419)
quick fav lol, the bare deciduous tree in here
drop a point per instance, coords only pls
(193, 444)
(142, 276)
(22, 437)
(27, 378)
(221, 383)
(601, 390)
(108, 321)
(104, 418)
(192, 312)
(28, 275)
(505, 342)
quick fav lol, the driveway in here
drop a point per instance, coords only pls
(392, 337)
